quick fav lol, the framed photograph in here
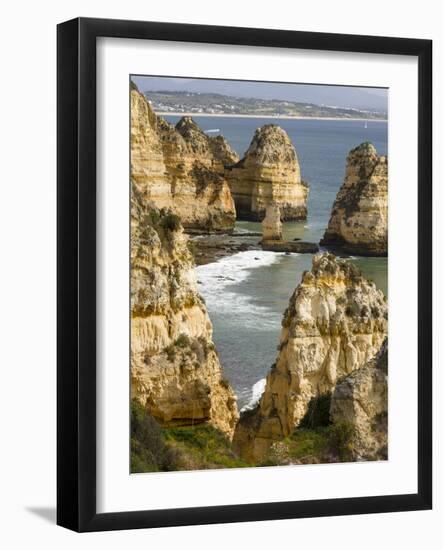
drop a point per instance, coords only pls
(244, 274)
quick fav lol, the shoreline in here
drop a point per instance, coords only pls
(281, 117)
(208, 249)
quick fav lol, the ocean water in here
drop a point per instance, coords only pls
(247, 293)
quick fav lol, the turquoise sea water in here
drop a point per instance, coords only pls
(247, 293)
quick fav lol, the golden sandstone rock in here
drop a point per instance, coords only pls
(359, 218)
(175, 370)
(268, 173)
(335, 323)
(361, 401)
(271, 225)
(181, 168)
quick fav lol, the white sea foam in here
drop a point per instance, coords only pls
(257, 391)
(216, 279)
(233, 269)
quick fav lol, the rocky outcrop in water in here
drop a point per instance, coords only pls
(175, 370)
(268, 173)
(181, 168)
(335, 323)
(359, 218)
(272, 236)
(361, 401)
(271, 224)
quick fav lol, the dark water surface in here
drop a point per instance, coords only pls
(247, 293)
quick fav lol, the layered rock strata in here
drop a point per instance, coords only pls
(268, 173)
(361, 402)
(181, 168)
(175, 370)
(359, 218)
(335, 323)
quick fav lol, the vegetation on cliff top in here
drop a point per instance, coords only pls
(202, 447)
(156, 449)
(316, 441)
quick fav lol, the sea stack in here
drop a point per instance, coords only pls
(181, 168)
(335, 323)
(359, 218)
(271, 225)
(268, 173)
(175, 370)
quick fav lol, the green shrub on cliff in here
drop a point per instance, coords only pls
(183, 341)
(156, 449)
(170, 222)
(201, 447)
(315, 445)
(149, 452)
(310, 443)
(341, 440)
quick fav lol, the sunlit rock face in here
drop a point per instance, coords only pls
(181, 168)
(361, 401)
(335, 323)
(268, 173)
(215, 151)
(359, 218)
(175, 370)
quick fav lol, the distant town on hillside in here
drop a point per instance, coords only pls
(164, 102)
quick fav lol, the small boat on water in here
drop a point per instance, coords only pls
(366, 123)
(212, 131)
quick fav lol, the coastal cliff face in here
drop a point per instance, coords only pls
(359, 218)
(175, 370)
(361, 402)
(181, 168)
(335, 323)
(268, 173)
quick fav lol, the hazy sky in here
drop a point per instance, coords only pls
(340, 96)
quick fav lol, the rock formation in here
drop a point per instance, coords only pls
(272, 235)
(269, 172)
(359, 218)
(271, 224)
(175, 370)
(181, 168)
(361, 401)
(214, 151)
(336, 322)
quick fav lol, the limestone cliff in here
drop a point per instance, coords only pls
(336, 322)
(181, 168)
(359, 218)
(214, 151)
(361, 401)
(175, 370)
(269, 172)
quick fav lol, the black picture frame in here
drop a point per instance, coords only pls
(76, 279)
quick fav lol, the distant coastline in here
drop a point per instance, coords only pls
(282, 117)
